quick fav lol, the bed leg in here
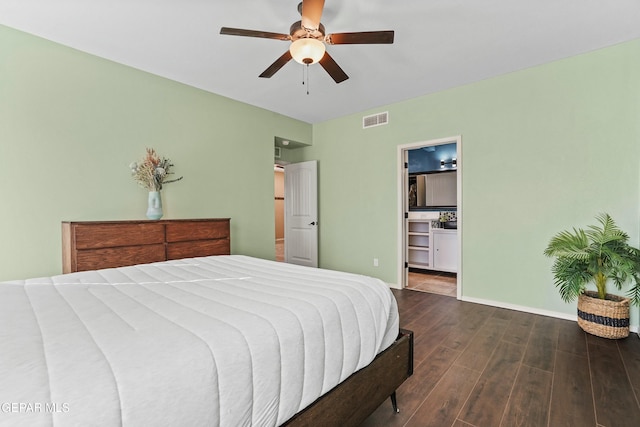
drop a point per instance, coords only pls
(394, 402)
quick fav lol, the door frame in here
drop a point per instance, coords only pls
(402, 206)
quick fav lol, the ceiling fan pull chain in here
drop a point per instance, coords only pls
(305, 76)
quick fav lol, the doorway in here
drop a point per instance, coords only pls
(430, 216)
(300, 244)
(278, 185)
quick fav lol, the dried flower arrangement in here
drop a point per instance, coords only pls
(152, 171)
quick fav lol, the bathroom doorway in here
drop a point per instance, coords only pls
(278, 185)
(430, 225)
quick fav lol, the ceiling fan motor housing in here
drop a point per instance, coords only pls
(297, 31)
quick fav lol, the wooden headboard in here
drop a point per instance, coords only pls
(92, 245)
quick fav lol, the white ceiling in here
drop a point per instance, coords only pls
(439, 44)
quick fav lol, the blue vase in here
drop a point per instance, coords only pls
(154, 209)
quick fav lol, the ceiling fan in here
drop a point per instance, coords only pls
(308, 39)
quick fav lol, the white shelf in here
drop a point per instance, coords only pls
(419, 265)
(419, 225)
(418, 243)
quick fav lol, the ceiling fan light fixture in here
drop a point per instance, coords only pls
(307, 51)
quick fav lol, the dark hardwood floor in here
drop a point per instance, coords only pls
(483, 366)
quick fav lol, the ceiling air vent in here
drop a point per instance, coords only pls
(375, 120)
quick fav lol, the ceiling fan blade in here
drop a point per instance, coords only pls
(311, 13)
(364, 37)
(279, 63)
(333, 68)
(253, 33)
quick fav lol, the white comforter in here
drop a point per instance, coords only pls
(228, 340)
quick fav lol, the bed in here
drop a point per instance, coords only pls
(224, 340)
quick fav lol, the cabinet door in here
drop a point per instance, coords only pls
(445, 251)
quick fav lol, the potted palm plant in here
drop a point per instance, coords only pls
(599, 255)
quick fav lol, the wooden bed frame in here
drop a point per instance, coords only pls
(354, 399)
(106, 244)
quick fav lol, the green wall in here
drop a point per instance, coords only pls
(71, 123)
(543, 149)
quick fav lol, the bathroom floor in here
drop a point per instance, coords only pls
(280, 250)
(433, 282)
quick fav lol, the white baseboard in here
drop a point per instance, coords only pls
(525, 309)
(394, 286)
(548, 313)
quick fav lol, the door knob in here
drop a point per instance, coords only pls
(313, 223)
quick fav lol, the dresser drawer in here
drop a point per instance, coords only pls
(92, 259)
(108, 235)
(197, 230)
(198, 248)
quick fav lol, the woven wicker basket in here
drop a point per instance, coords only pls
(606, 318)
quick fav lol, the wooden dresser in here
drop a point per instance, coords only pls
(103, 244)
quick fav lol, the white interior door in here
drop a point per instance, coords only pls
(301, 213)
